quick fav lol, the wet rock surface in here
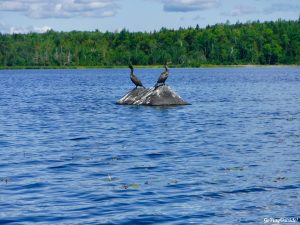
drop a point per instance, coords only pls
(160, 96)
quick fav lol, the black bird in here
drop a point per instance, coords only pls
(134, 78)
(163, 76)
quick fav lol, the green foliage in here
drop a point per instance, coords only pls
(222, 44)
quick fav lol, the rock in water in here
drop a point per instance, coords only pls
(160, 96)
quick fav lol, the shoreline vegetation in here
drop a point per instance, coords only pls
(141, 67)
(251, 44)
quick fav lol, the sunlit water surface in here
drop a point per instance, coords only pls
(70, 155)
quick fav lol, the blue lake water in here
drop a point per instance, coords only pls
(70, 155)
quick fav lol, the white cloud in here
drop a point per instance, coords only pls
(4, 28)
(189, 5)
(241, 10)
(42, 29)
(61, 8)
(17, 30)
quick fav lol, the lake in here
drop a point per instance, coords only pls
(70, 155)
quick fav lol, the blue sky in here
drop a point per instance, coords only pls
(21, 16)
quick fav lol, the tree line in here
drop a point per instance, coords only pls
(258, 43)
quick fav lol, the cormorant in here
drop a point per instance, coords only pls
(163, 76)
(134, 78)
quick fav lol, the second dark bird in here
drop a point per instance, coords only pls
(134, 78)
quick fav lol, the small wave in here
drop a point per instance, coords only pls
(79, 138)
(246, 190)
(288, 187)
(213, 195)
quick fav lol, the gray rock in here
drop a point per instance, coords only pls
(160, 96)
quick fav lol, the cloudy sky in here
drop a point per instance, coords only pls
(20, 16)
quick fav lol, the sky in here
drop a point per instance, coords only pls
(22, 16)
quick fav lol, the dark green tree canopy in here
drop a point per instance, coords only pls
(222, 44)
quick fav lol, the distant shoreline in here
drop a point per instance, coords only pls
(141, 66)
(253, 44)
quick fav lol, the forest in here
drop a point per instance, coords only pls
(255, 43)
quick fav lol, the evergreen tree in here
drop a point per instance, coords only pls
(250, 43)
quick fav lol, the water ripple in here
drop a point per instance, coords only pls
(70, 155)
